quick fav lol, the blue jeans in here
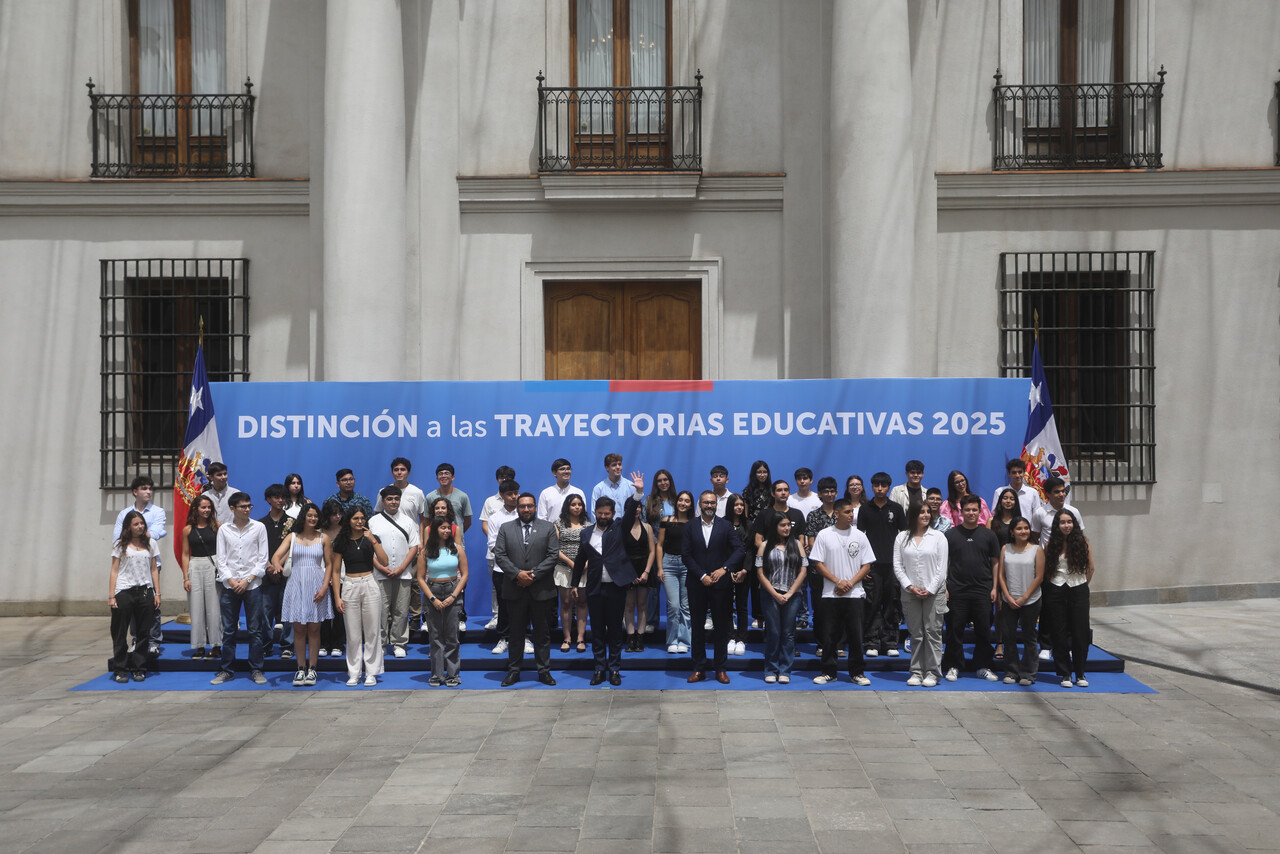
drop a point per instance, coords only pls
(674, 576)
(272, 604)
(231, 602)
(779, 633)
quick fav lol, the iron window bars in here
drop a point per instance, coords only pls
(152, 310)
(1095, 313)
(172, 136)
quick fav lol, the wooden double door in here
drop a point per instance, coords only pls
(623, 330)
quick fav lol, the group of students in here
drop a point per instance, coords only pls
(347, 577)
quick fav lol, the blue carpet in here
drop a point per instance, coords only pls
(645, 680)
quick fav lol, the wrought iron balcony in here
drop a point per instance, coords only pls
(620, 128)
(172, 136)
(1084, 126)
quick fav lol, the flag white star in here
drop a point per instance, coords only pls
(1034, 397)
(196, 400)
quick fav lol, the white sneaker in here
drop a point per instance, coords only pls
(674, 649)
(914, 681)
(684, 647)
(322, 653)
(399, 652)
(500, 647)
(930, 681)
(370, 681)
(862, 680)
(528, 647)
(1046, 655)
(893, 652)
(771, 678)
(1065, 683)
(1082, 683)
(742, 648)
(462, 626)
(1009, 680)
(986, 674)
(906, 645)
(784, 679)
(492, 624)
(872, 652)
(755, 624)
(823, 679)
(279, 627)
(353, 681)
(1025, 682)
(952, 674)
(707, 625)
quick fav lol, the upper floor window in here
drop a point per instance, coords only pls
(178, 119)
(620, 110)
(1074, 108)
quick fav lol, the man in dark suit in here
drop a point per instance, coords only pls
(710, 545)
(603, 556)
(526, 551)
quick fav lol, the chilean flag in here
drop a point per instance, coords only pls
(1041, 449)
(199, 448)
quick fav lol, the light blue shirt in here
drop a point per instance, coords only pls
(619, 492)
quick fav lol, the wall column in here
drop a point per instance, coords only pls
(364, 192)
(872, 205)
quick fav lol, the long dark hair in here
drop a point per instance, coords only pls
(693, 506)
(848, 493)
(913, 515)
(449, 511)
(953, 497)
(328, 510)
(126, 535)
(758, 495)
(300, 527)
(343, 539)
(193, 518)
(435, 543)
(653, 504)
(564, 509)
(792, 545)
(999, 508)
(735, 519)
(1075, 546)
(302, 490)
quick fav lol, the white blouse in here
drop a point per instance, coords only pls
(921, 565)
(135, 565)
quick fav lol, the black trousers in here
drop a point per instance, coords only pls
(605, 609)
(841, 618)
(741, 596)
(136, 606)
(520, 611)
(883, 615)
(1011, 620)
(1068, 611)
(717, 601)
(963, 610)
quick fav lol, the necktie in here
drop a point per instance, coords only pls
(526, 533)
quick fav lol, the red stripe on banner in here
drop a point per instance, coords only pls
(661, 385)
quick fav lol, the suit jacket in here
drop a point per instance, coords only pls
(701, 558)
(612, 554)
(512, 556)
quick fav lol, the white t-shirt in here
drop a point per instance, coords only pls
(497, 519)
(135, 565)
(413, 501)
(843, 553)
(804, 505)
(395, 543)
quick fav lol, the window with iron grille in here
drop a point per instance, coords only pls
(1094, 311)
(152, 313)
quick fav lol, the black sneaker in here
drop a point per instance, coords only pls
(139, 676)
(300, 679)
(286, 654)
(121, 677)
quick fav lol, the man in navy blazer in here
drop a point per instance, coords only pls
(603, 557)
(710, 548)
(526, 551)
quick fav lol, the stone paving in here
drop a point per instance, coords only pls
(1193, 768)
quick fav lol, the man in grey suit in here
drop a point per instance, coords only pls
(526, 551)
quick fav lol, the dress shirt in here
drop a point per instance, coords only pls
(923, 565)
(396, 543)
(707, 528)
(242, 552)
(221, 508)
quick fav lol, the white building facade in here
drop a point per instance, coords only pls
(722, 189)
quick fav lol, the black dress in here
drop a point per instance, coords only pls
(638, 553)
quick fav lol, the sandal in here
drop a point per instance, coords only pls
(564, 647)
(582, 646)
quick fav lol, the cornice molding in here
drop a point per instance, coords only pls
(155, 198)
(1156, 189)
(619, 192)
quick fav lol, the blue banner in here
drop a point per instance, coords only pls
(834, 427)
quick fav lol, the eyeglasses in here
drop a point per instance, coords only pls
(243, 507)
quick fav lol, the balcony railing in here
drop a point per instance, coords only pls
(620, 128)
(172, 136)
(1083, 126)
